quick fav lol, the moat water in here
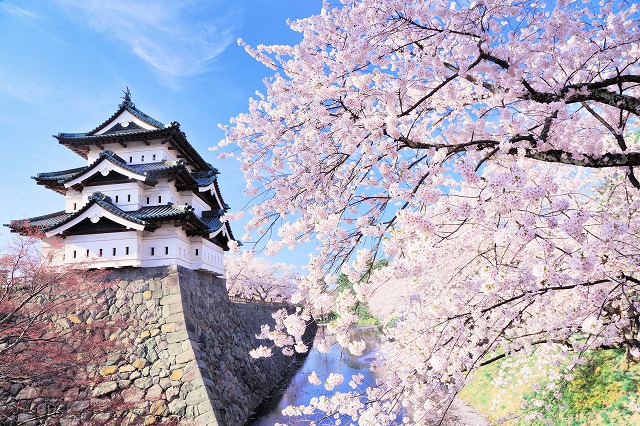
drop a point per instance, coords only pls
(296, 389)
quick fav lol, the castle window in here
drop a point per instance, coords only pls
(100, 253)
(147, 200)
(154, 157)
(75, 206)
(196, 252)
(159, 199)
(128, 197)
(114, 251)
(116, 198)
(74, 254)
(142, 158)
(131, 159)
(87, 252)
(166, 250)
(126, 250)
(153, 251)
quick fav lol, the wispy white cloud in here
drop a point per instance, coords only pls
(12, 9)
(178, 38)
(23, 88)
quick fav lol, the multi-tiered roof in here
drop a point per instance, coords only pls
(115, 152)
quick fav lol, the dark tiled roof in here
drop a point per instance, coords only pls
(148, 169)
(205, 178)
(129, 106)
(79, 142)
(168, 211)
(40, 222)
(157, 167)
(59, 177)
(87, 136)
(146, 216)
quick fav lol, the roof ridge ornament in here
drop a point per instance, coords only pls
(127, 97)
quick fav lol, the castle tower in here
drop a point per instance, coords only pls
(145, 198)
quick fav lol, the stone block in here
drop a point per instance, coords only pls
(132, 395)
(127, 368)
(184, 357)
(79, 406)
(105, 388)
(171, 393)
(147, 295)
(143, 382)
(159, 408)
(15, 388)
(74, 319)
(178, 336)
(137, 298)
(196, 396)
(177, 407)
(170, 299)
(168, 328)
(26, 419)
(29, 392)
(204, 407)
(154, 393)
(140, 363)
(152, 355)
(191, 375)
(69, 421)
(176, 374)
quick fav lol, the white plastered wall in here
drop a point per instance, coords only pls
(112, 249)
(134, 152)
(167, 245)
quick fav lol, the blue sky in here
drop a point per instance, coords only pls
(64, 64)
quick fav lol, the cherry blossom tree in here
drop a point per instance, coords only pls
(488, 151)
(252, 277)
(48, 330)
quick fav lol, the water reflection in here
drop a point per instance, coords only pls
(299, 391)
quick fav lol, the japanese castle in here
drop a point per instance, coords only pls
(145, 198)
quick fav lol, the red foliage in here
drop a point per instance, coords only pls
(49, 333)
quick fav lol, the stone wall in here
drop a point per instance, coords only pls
(185, 355)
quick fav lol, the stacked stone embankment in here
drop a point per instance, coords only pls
(184, 356)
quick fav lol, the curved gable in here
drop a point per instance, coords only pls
(107, 163)
(94, 212)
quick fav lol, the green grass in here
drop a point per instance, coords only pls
(604, 392)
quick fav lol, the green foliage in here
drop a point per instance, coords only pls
(603, 392)
(365, 317)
